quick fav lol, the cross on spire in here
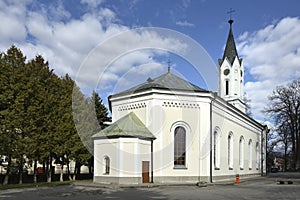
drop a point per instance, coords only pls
(230, 12)
(169, 62)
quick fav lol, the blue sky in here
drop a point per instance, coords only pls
(68, 32)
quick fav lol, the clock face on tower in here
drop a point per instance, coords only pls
(226, 72)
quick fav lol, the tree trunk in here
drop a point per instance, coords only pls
(61, 179)
(21, 170)
(285, 155)
(5, 181)
(69, 173)
(49, 171)
(298, 154)
(20, 175)
(90, 163)
(75, 171)
(35, 171)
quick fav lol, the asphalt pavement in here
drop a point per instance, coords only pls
(258, 188)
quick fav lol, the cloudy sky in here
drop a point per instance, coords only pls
(108, 45)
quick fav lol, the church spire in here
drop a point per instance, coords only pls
(230, 49)
(231, 73)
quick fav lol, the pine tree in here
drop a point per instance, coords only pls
(41, 115)
(14, 105)
(86, 125)
(101, 110)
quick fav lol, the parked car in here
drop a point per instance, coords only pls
(274, 169)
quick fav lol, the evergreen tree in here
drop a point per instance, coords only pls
(100, 109)
(86, 125)
(41, 115)
(14, 103)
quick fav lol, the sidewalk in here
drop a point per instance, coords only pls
(150, 185)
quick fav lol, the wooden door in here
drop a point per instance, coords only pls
(145, 171)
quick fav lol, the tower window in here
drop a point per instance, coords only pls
(226, 87)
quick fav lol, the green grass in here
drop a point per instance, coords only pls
(33, 185)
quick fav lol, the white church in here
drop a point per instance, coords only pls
(168, 130)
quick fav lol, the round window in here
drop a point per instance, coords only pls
(226, 72)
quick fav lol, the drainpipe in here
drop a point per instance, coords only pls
(211, 135)
(151, 160)
(261, 153)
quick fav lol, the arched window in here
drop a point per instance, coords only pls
(241, 152)
(217, 140)
(226, 87)
(230, 150)
(107, 165)
(257, 155)
(179, 146)
(250, 154)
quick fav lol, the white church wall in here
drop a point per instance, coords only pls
(124, 107)
(126, 156)
(161, 111)
(102, 148)
(228, 122)
(205, 147)
(179, 111)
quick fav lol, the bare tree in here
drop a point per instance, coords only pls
(284, 109)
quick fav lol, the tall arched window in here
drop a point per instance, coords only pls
(226, 87)
(230, 150)
(257, 155)
(250, 154)
(217, 140)
(241, 152)
(107, 165)
(179, 146)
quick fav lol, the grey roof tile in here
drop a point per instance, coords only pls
(128, 126)
(167, 81)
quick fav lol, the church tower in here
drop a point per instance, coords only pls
(231, 74)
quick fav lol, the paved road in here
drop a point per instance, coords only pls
(263, 188)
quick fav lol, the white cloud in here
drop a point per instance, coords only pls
(185, 23)
(124, 54)
(66, 42)
(12, 22)
(272, 57)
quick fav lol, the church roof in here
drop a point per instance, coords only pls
(230, 50)
(167, 81)
(128, 126)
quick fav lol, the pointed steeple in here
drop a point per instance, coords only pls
(230, 49)
(231, 73)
